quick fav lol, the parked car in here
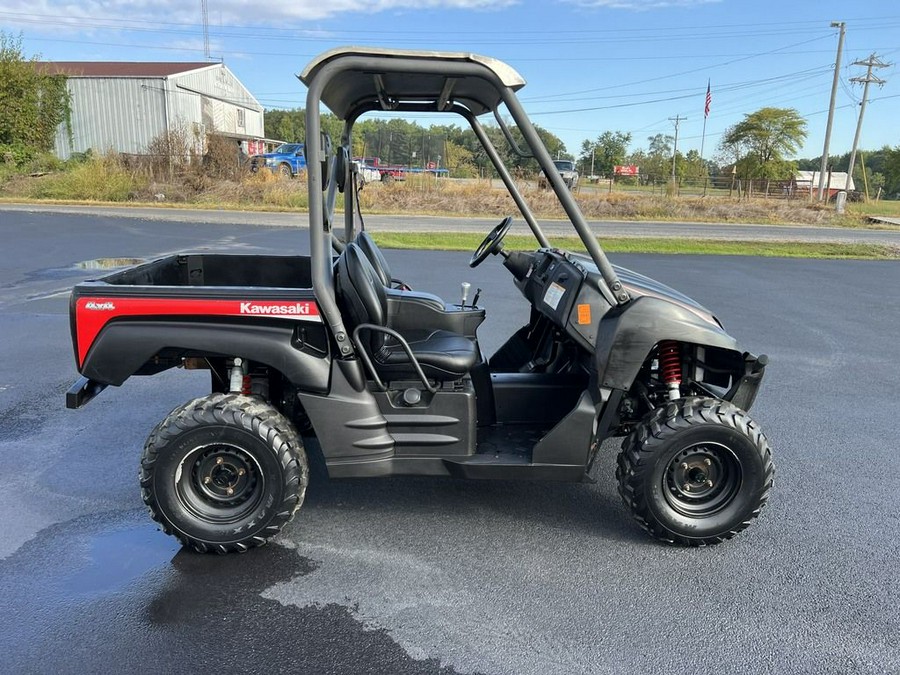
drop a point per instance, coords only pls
(566, 169)
(288, 159)
(368, 173)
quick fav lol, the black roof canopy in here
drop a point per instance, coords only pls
(368, 77)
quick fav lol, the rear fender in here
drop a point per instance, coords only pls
(124, 347)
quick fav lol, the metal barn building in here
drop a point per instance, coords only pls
(122, 106)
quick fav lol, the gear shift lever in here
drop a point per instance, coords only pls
(465, 292)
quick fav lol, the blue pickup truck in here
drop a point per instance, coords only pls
(288, 159)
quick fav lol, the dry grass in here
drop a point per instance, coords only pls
(108, 179)
(99, 179)
(479, 198)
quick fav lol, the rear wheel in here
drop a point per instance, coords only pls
(695, 472)
(223, 473)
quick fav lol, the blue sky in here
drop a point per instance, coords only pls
(591, 65)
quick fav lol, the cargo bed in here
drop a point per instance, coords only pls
(150, 317)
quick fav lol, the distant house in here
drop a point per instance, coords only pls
(122, 106)
(808, 181)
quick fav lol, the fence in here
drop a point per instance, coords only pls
(727, 186)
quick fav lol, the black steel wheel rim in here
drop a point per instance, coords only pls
(702, 479)
(219, 483)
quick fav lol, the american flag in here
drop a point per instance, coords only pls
(708, 101)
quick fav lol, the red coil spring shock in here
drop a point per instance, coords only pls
(670, 367)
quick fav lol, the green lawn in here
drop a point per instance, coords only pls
(468, 242)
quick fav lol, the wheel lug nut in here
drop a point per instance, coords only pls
(707, 461)
(241, 472)
(219, 460)
(709, 483)
(207, 480)
(684, 466)
(687, 488)
(229, 491)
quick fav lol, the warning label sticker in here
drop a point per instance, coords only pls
(584, 315)
(554, 294)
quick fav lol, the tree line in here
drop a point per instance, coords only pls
(760, 146)
(400, 141)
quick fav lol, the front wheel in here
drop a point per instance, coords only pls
(223, 473)
(695, 472)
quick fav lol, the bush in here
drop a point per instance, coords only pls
(223, 158)
(98, 179)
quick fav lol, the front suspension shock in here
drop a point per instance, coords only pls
(670, 367)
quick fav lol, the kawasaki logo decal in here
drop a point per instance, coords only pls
(103, 306)
(295, 308)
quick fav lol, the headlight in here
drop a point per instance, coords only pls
(270, 161)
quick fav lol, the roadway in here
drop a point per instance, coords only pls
(438, 576)
(728, 231)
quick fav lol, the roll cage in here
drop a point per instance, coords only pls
(352, 81)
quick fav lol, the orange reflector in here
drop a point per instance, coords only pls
(584, 314)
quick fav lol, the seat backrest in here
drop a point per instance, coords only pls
(361, 293)
(375, 257)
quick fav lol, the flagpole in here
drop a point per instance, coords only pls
(703, 139)
(705, 115)
(706, 103)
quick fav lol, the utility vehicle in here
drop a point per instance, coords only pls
(393, 381)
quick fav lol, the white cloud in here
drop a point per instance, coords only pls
(28, 15)
(639, 5)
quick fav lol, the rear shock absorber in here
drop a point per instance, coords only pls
(670, 367)
(239, 377)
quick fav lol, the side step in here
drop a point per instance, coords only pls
(508, 466)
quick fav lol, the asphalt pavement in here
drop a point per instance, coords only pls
(415, 575)
(888, 235)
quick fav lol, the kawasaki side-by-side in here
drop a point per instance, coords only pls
(391, 381)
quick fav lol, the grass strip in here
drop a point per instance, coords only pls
(446, 241)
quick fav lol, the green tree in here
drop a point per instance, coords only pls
(657, 163)
(892, 172)
(608, 150)
(35, 102)
(763, 141)
(692, 168)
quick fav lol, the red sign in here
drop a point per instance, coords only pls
(628, 170)
(431, 166)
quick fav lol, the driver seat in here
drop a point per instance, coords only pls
(378, 261)
(443, 355)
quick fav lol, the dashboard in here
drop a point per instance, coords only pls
(568, 292)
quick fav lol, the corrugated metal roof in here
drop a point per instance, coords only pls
(123, 68)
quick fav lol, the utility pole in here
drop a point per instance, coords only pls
(834, 87)
(675, 120)
(871, 62)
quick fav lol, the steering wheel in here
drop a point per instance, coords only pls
(491, 243)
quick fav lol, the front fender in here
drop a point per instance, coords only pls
(625, 338)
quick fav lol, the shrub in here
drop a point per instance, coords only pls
(98, 179)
